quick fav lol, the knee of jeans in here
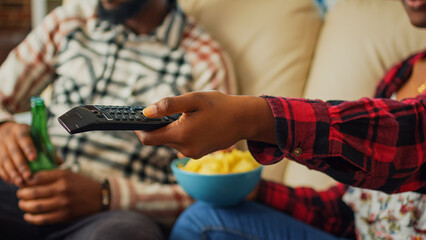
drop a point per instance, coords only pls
(191, 222)
(198, 210)
(126, 225)
(198, 215)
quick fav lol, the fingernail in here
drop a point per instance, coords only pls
(149, 111)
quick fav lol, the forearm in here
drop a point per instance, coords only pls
(22, 78)
(253, 118)
(29, 68)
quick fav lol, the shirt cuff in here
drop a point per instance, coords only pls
(301, 127)
(265, 153)
(114, 185)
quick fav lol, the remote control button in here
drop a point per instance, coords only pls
(107, 116)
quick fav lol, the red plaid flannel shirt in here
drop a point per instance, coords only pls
(374, 143)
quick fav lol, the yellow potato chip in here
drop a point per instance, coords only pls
(222, 163)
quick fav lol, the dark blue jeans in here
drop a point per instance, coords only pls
(248, 220)
(104, 225)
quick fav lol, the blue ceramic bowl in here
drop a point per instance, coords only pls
(219, 190)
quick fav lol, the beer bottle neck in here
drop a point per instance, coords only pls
(39, 121)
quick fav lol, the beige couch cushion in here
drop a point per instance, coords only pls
(359, 41)
(270, 42)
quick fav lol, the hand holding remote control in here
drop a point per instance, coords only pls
(104, 117)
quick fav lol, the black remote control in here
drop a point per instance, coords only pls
(104, 117)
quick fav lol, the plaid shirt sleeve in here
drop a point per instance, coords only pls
(28, 69)
(324, 210)
(370, 143)
(162, 202)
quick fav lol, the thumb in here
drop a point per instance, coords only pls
(171, 105)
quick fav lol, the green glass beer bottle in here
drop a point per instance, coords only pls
(46, 154)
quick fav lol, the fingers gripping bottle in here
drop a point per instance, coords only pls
(46, 154)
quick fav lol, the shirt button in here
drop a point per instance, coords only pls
(297, 151)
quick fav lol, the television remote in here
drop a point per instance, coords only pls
(86, 118)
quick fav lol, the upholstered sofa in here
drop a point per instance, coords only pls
(290, 48)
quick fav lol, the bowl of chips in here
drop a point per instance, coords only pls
(219, 179)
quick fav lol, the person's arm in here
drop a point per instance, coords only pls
(162, 202)
(27, 71)
(322, 209)
(369, 143)
(29, 68)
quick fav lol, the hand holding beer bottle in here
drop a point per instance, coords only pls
(17, 147)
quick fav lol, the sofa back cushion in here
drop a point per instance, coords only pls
(270, 42)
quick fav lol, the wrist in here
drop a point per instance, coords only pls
(105, 195)
(259, 119)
